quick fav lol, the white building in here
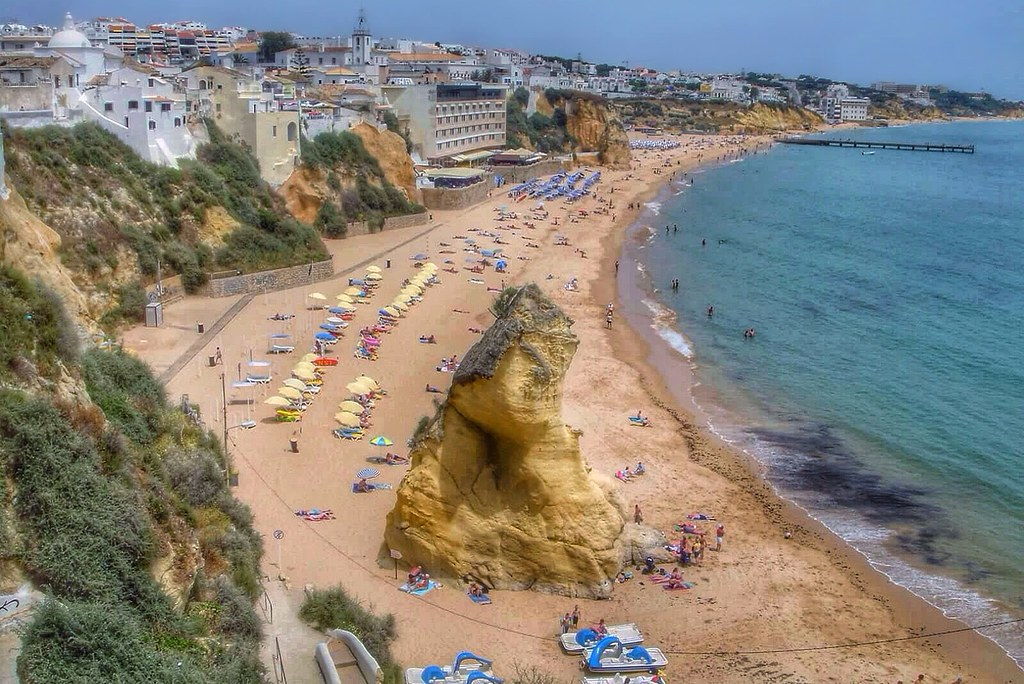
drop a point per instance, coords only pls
(837, 105)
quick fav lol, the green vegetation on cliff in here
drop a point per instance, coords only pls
(116, 507)
(366, 196)
(540, 132)
(117, 214)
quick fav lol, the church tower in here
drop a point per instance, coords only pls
(362, 41)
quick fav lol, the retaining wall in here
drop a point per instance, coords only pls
(457, 198)
(391, 223)
(277, 279)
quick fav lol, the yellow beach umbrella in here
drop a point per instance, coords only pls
(368, 381)
(373, 269)
(305, 364)
(403, 297)
(277, 401)
(289, 392)
(344, 298)
(351, 406)
(430, 265)
(358, 388)
(353, 291)
(308, 358)
(374, 276)
(296, 384)
(401, 306)
(412, 290)
(347, 419)
(317, 295)
(303, 374)
(393, 311)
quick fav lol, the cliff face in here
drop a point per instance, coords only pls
(596, 129)
(761, 118)
(303, 193)
(497, 486)
(389, 149)
(33, 246)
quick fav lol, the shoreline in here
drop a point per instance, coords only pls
(807, 592)
(656, 360)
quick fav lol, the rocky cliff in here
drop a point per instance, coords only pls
(761, 118)
(497, 486)
(597, 129)
(389, 150)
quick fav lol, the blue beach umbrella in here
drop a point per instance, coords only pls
(325, 336)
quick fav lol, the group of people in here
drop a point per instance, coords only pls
(627, 474)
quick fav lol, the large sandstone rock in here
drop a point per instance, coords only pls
(389, 150)
(597, 129)
(497, 487)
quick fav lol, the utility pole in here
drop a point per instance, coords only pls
(224, 407)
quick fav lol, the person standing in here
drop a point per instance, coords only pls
(719, 534)
(638, 516)
(566, 623)
(575, 617)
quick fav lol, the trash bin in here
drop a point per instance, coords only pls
(200, 328)
(295, 445)
(213, 361)
(387, 263)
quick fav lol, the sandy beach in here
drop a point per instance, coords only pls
(775, 599)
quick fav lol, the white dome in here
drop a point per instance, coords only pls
(68, 37)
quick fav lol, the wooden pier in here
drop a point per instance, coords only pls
(867, 145)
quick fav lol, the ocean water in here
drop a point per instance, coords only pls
(884, 389)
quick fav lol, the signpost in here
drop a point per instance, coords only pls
(279, 535)
(397, 555)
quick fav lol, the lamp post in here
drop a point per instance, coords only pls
(224, 410)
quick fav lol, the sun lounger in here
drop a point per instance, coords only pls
(619, 679)
(281, 349)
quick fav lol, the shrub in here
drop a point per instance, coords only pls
(237, 616)
(334, 609)
(131, 302)
(126, 391)
(33, 324)
(330, 221)
(195, 475)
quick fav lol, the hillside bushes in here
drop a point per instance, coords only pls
(33, 326)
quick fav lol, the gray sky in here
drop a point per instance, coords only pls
(965, 44)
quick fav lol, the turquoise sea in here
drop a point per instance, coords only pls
(884, 389)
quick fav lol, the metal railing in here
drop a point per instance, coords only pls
(280, 676)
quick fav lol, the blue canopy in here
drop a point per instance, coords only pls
(501, 263)
(327, 337)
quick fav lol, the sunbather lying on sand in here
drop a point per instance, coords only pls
(395, 459)
(432, 389)
(427, 339)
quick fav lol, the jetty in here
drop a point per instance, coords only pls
(865, 144)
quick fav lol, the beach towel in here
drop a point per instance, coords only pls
(371, 486)
(315, 514)
(700, 516)
(408, 589)
(482, 599)
(680, 587)
(476, 281)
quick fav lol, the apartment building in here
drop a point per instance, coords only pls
(447, 119)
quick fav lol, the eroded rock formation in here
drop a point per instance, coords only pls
(497, 487)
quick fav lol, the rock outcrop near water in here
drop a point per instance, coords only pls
(497, 487)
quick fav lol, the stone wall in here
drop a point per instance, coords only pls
(392, 223)
(456, 198)
(518, 174)
(271, 280)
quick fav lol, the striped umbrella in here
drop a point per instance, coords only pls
(368, 473)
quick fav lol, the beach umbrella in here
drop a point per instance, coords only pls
(501, 263)
(401, 306)
(381, 440)
(325, 336)
(295, 384)
(368, 381)
(317, 295)
(305, 364)
(352, 407)
(373, 269)
(392, 311)
(404, 298)
(354, 291)
(418, 256)
(345, 299)
(308, 358)
(303, 374)
(277, 401)
(347, 419)
(412, 290)
(289, 393)
(374, 276)
(368, 473)
(358, 388)
(339, 310)
(386, 313)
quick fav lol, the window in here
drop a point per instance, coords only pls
(273, 131)
(292, 131)
(152, 125)
(108, 106)
(149, 106)
(133, 104)
(177, 122)
(150, 82)
(165, 106)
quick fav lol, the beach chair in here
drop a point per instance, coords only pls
(281, 349)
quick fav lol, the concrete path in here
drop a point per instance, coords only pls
(296, 639)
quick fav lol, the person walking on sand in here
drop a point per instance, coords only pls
(616, 266)
(719, 533)
(608, 321)
(638, 516)
(566, 623)
(218, 358)
(575, 617)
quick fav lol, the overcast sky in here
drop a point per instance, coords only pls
(965, 44)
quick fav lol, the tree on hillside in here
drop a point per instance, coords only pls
(300, 62)
(272, 42)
